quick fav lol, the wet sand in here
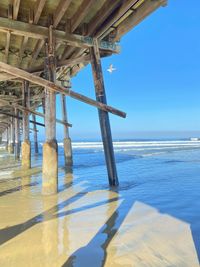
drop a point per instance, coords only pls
(82, 226)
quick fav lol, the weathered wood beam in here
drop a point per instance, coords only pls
(60, 11)
(65, 63)
(6, 77)
(26, 105)
(8, 35)
(125, 6)
(52, 86)
(16, 4)
(102, 15)
(103, 116)
(37, 49)
(40, 32)
(20, 118)
(81, 13)
(145, 9)
(22, 48)
(38, 10)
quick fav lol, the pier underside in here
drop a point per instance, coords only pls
(43, 45)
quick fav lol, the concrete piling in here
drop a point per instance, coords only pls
(50, 168)
(26, 155)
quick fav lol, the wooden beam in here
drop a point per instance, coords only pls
(60, 11)
(35, 134)
(145, 9)
(102, 15)
(22, 48)
(80, 14)
(17, 136)
(52, 86)
(38, 10)
(37, 49)
(103, 116)
(123, 8)
(26, 104)
(16, 4)
(40, 32)
(20, 118)
(6, 77)
(7, 46)
(65, 63)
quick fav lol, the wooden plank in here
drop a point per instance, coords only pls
(81, 13)
(38, 10)
(40, 32)
(60, 11)
(39, 45)
(8, 36)
(123, 8)
(16, 4)
(136, 17)
(102, 15)
(52, 86)
(103, 116)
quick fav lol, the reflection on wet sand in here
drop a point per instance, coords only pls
(81, 226)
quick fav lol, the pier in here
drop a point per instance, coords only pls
(43, 45)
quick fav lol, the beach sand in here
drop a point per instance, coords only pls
(82, 226)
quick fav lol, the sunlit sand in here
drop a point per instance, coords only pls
(80, 226)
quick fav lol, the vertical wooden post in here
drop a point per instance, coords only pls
(103, 115)
(26, 146)
(50, 148)
(12, 136)
(67, 140)
(35, 135)
(7, 138)
(17, 136)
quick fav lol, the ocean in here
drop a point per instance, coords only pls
(151, 219)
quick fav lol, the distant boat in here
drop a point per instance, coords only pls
(194, 139)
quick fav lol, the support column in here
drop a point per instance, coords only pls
(35, 134)
(103, 115)
(26, 146)
(17, 136)
(67, 140)
(12, 137)
(50, 148)
(7, 138)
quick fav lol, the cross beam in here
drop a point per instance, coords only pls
(40, 32)
(7, 103)
(20, 118)
(53, 87)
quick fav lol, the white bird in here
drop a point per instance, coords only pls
(111, 69)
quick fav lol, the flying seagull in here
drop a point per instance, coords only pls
(111, 69)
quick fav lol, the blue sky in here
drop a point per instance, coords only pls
(157, 81)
